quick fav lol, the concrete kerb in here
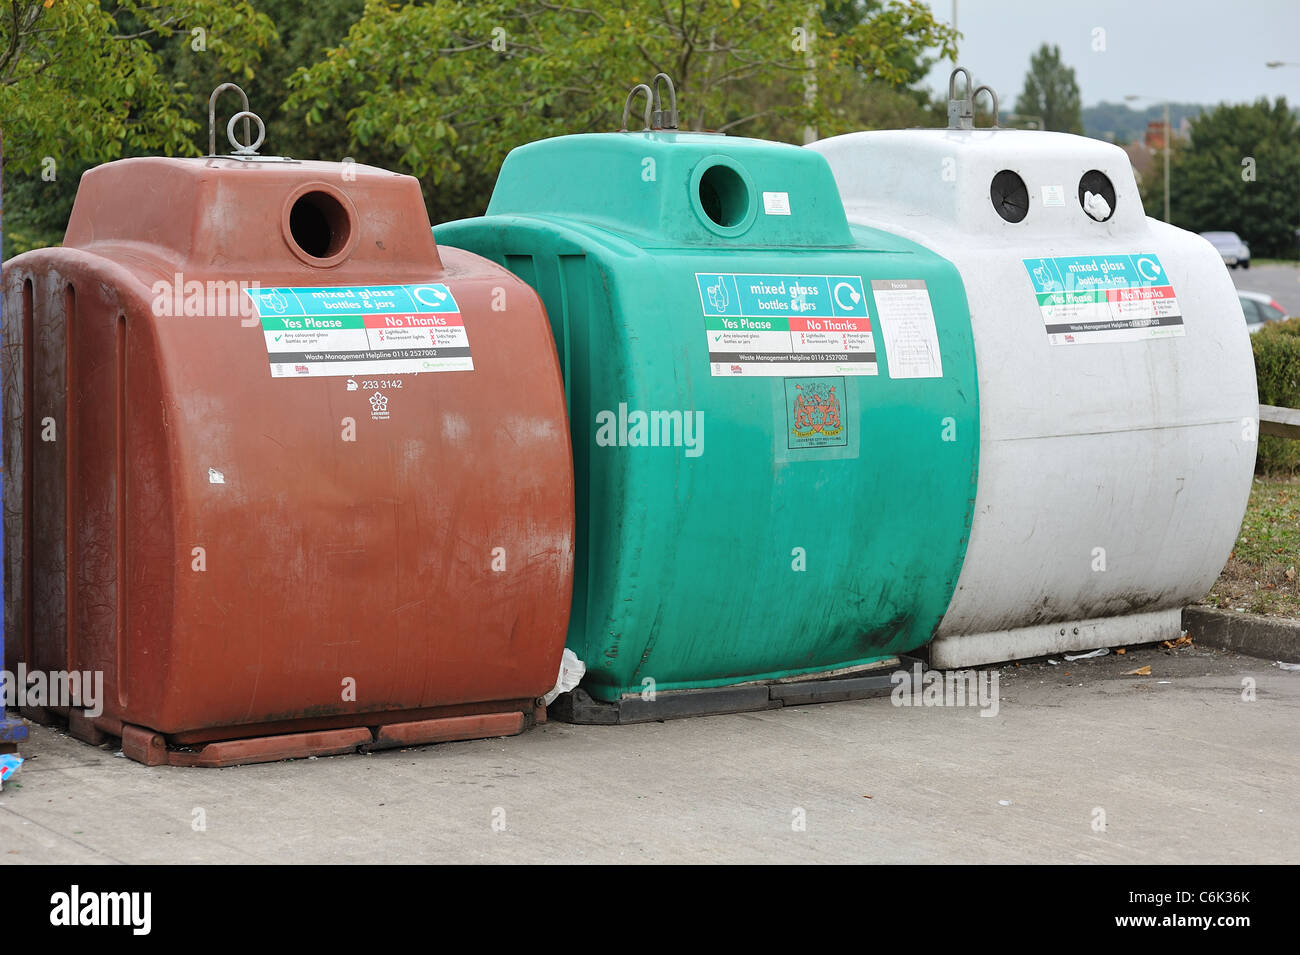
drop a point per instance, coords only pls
(1269, 638)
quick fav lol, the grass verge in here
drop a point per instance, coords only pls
(1263, 572)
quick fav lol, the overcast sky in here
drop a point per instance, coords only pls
(1190, 51)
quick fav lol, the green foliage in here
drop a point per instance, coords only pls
(430, 88)
(79, 80)
(306, 29)
(1277, 372)
(82, 82)
(1051, 92)
(1239, 172)
(884, 106)
(910, 62)
(1151, 184)
(36, 210)
(452, 87)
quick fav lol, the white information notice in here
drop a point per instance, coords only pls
(907, 328)
(1053, 195)
(776, 203)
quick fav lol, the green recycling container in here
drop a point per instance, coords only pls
(774, 417)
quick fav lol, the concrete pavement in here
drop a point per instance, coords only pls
(1182, 767)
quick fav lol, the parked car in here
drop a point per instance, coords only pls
(1235, 252)
(1260, 309)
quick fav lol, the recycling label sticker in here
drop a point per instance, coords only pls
(779, 326)
(1105, 298)
(362, 330)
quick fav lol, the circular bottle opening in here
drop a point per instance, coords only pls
(319, 224)
(1009, 195)
(724, 196)
(1099, 184)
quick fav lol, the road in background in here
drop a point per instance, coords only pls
(1280, 281)
(1082, 763)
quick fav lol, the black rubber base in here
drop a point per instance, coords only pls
(577, 706)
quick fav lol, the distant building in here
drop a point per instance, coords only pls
(1155, 137)
(1142, 157)
(1145, 154)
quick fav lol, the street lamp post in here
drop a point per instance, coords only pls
(954, 30)
(1169, 135)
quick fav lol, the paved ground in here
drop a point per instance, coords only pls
(1280, 281)
(1184, 769)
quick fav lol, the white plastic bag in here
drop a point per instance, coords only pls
(571, 671)
(1096, 206)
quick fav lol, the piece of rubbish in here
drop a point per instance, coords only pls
(1087, 656)
(9, 763)
(1055, 663)
(1121, 651)
(1184, 640)
(1140, 671)
(571, 671)
(1158, 682)
(1288, 666)
(1096, 206)
(1004, 802)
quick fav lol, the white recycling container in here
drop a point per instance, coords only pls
(1118, 408)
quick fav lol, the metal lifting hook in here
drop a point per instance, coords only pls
(952, 82)
(992, 95)
(649, 105)
(664, 118)
(249, 146)
(961, 110)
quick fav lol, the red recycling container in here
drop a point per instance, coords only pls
(290, 477)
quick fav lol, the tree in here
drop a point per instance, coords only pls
(1238, 171)
(81, 82)
(453, 87)
(910, 62)
(305, 31)
(1051, 92)
(441, 89)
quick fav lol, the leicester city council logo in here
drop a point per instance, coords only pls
(814, 413)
